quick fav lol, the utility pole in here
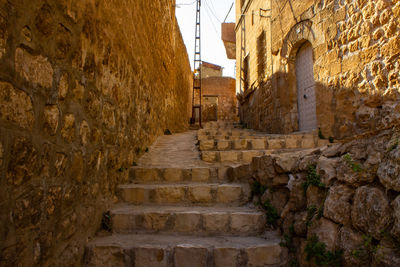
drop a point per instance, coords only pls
(196, 98)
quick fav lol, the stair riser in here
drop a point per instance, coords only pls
(232, 155)
(187, 255)
(232, 195)
(203, 224)
(152, 175)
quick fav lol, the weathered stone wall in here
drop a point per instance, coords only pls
(345, 194)
(224, 89)
(355, 52)
(82, 94)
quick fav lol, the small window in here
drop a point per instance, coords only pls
(246, 74)
(261, 55)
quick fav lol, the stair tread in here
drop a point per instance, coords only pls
(129, 241)
(182, 184)
(137, 209)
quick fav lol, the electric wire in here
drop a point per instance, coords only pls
(211, 10)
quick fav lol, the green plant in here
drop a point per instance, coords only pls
(293, 263)
(394, 145)
(106, 223)
(272, 213)
(320, 212)
(138, 150)
(146, 150)
(134, 163)
(367, 250)
(312, 178)
(330, 138)
(258, 189)
(167, 132)
(311, 210)
(352, 164)
(317, 250)
(320, 135)
(287, 241)
(121, 169)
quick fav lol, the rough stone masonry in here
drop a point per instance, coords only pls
(85, 87)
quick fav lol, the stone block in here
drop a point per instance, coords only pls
(187, 222)
(170, 194)
(285, 163)
(200, 174)
(206, 145)
(216, 222)
(113, 256)
(275, 144)
(209, 156)
(242, 222)
(223, 145)
(263, 255)
(189, 255)
(292, 142)
(134, 195)
(35, 69)
(84, 132)
(200, 194)
(16, 106)
(150, 257)
(240, 144)
(68, 130)
(146, 175)
(389, 170)
(258, 144)
(173, 175)
(224, 257)
(155, 221)
(230, 156)
(337, 205)
(228, 193)
(326, 231)
(222, 173)
(308, 142)
(247, 156)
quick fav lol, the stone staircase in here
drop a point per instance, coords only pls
(180, 210)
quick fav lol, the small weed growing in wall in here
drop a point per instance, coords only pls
(146, 150)
(121, 169)
(138, 150)
(287, 241)
(167, 132)
(367, 250)
(134, 164)
(350, 162)
(320, 135)
(330, 138)
(106, 221)
(258, 189)
(394, 145)
(272, 213)
(312, 178)
(312, 212)
(317, 250)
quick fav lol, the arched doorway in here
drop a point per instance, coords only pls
(306, 88)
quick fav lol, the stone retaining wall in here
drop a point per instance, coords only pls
(85, 87)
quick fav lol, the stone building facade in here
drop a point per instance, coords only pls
(219, 100)
(328, 64)
(82, 95)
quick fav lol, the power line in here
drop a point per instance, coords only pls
(212, 23)
(185, 4)
(212, 12)
(229, 11)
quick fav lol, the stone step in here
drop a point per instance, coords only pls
(176, 175)
(226, 132)
(201, 221)
(233, 156)
(184, 251)
(289, 142)
(185, 193)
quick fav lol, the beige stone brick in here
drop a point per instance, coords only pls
(206, 145)
(223, 145)
(150, 257)
(226, 156)
(228, 193)
(222, 173)
(155, 221)
(200, 194)
(189, 255)
(200, 174)
(308, 142)
(225, 257)
(240, 144)
(134, 195)
(173, 175)
(170, 194)
(187, 221)
(209, 156)
(146, 175)
(275, 144)
(291, 142)
(216, 222)
(247, 156)
(258, 144)
(246, 222)
(263, 255)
